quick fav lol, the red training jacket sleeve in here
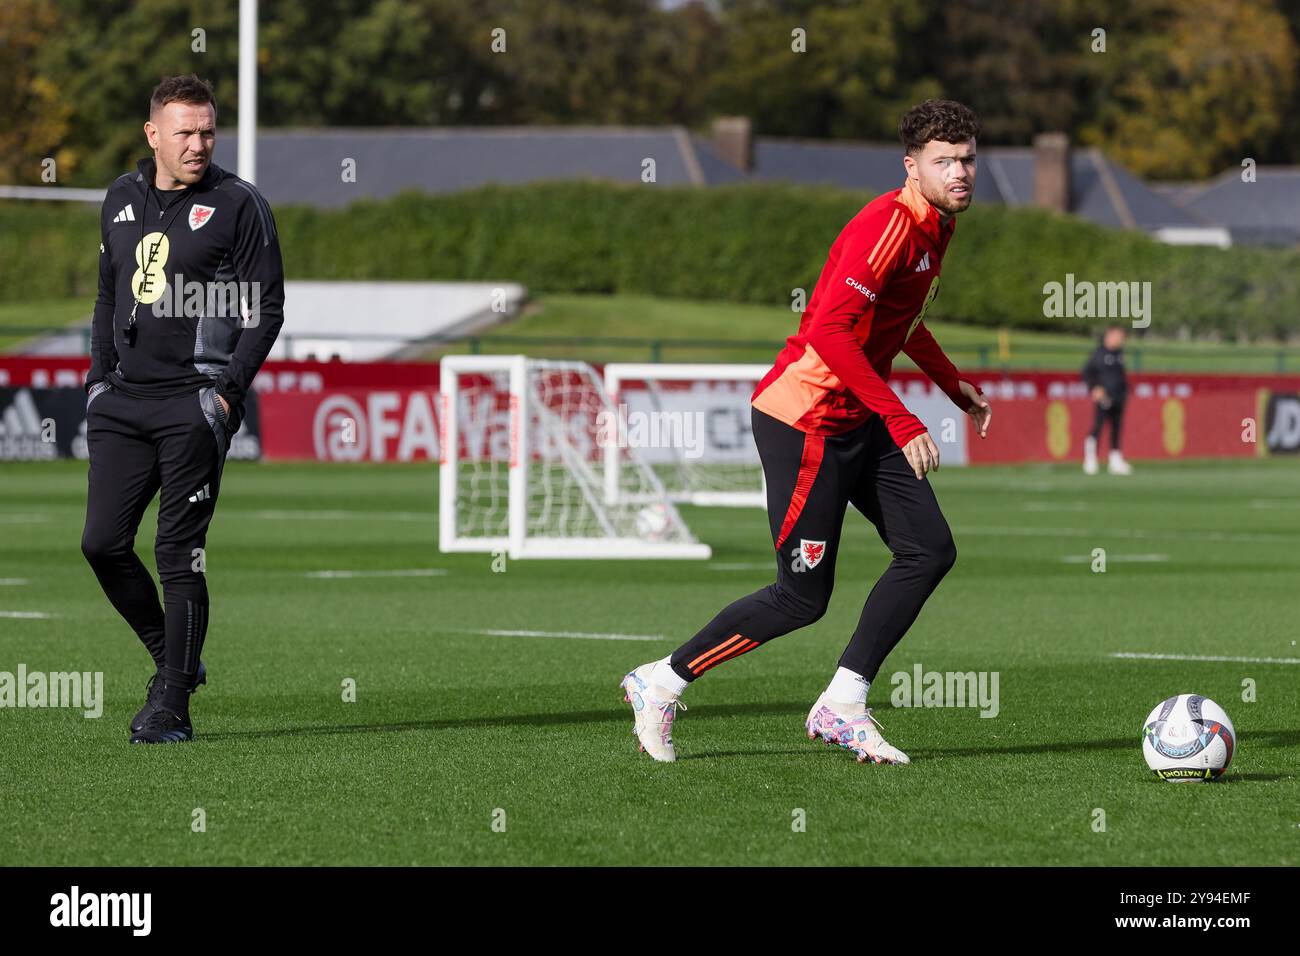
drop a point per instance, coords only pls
(922, 348)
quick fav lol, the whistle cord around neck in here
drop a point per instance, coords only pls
(148, 264)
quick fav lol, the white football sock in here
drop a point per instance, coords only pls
(848, 690)
(665, 677)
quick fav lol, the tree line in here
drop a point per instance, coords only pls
(1169, 89)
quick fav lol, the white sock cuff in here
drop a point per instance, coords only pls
(664, 675)
(848, 687)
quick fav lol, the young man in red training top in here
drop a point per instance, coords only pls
(831, 432)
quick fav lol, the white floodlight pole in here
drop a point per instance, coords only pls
(248, 90)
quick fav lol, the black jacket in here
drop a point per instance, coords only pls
(1106, 368)
(213, 301)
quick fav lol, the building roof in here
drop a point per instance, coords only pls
(305, 166)
(1100, 190)
(877, 167)
(1263, 212)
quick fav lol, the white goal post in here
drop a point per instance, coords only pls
(709, 404)
(522, 443)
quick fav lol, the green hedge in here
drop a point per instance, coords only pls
(48, 250)
(750, 243)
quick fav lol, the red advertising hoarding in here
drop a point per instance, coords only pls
(389, 411)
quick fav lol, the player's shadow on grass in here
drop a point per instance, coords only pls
(756, 752)
(1233, 777)
(1272, 738)
(607, 715)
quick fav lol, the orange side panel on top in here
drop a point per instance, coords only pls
(798, 390)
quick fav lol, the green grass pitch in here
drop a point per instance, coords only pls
(452, 724)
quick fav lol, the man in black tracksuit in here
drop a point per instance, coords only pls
(1108, 389)
(191, 295)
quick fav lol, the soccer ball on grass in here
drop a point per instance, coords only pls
(1188, 738)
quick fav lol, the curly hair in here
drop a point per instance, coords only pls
(182, 89)
(945, 120)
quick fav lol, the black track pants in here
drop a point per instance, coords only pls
(810, 482)
(1114, 413)
(137, 447)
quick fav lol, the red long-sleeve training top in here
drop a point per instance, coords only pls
(869, 304)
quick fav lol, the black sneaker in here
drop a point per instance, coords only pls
(153, 696)
(164, 727)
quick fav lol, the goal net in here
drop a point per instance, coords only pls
(691, 424)
(523, 443)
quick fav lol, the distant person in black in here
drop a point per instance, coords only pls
(191, 295)
(1108, 388)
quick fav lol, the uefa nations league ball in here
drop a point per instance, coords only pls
(652, 522)
(1188, 738)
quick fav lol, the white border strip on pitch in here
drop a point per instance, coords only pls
(582, 635)
(27, 615)
(13, 582)
(408, 573)
(1216, 658)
